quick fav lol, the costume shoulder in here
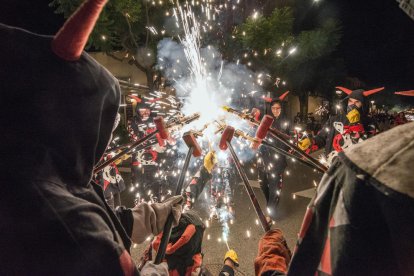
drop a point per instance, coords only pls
(388, 157)
(52, 231)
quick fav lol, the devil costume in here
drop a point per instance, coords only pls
(345, 130)
(58, 109)
(145, 163)
(272, 165)
(183, 252)
(361, 220)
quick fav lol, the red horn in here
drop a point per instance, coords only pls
(405, 93)
(373, 91)
(268, 100)
(283, 96)
(69, 42)
(346, 90)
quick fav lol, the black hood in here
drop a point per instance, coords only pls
(357, 95)
(56, 116)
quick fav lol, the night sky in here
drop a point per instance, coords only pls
(377, 44)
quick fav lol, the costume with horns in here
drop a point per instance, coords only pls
(344, 130)
(145, 163)
(57, 111)
(361, 220)
(272, 166)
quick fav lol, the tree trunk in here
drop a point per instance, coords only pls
(150, 79)
(303, 104)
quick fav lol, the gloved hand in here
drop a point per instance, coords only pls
(123, 158)
(151, 269)
(150, 219)
(274, 254)
(232, 256)
(305, 143)
(210, 160)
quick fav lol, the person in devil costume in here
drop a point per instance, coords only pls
(183, 253)
(54, 220)
(109, 178)
(271, 166)
(200, 179)
(145, 163)
(344, 130)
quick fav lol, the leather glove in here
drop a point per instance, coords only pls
(151, 269)
(232, 256)
(210, 160)
(150, 219)
(274, 254)
(304, 144)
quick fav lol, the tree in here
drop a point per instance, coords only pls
(305, 60)
(125, 25)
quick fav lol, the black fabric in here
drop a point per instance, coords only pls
(198, 183)
(326, 135)
(357, 95)
(126, 218)
(226, 271)
(56, 118)
(182, 258)
(369, 228)
(271, 176)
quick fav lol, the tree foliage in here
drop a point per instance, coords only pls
(124, 26)
(304, 59)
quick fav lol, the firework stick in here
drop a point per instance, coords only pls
(287, 154)
(195, 150)
(225, 142)
(261, 133)
(255, 143)
(281, 137)
(162, 129)
(146, 256)
(159, 123)
(138, 148)
(277, 134)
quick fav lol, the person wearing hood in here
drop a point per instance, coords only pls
(109, 178)
(54, 220)
(360, 221)
(346, 129)
(184, 250)
(271, 166)
(145, 163)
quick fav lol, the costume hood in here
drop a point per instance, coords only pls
(58, 105)
(359, 94)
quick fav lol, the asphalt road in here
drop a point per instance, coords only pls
(244, 230)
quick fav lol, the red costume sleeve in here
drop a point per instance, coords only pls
(185, 237)
(273, 255)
